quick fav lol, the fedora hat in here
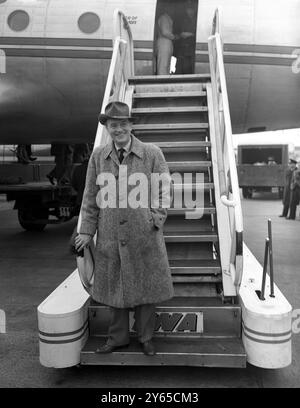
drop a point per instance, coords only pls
(115, 110)
(293, 161)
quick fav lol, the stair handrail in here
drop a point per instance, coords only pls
(122, 30)
(117, 87)
(228, 178)
(121, 68)
(216, 22)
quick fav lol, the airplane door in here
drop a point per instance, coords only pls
(175, 35)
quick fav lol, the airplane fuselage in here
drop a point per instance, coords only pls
(55, 57)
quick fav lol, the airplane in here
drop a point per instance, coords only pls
(57, 55)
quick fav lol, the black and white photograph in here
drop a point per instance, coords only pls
(149, 197)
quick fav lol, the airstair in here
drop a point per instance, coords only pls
(201, 325)
(213, 320)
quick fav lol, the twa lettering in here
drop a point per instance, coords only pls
(176, 323)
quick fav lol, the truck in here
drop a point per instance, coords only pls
(37, 201)
(262, 168)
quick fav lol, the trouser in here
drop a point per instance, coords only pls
(185, 65)
(118, 332)
(286, 201)
(63, 163)
(285, 209)
(164, 55)
(295, 198)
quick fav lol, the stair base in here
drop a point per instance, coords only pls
(171, 352)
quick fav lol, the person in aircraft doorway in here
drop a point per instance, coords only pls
(186, 44)
(131, 262)
(164, 42)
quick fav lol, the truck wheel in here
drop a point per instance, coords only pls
(28, 216)
(250, 193)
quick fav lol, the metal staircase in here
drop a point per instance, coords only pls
(193, 258)
(201, 325)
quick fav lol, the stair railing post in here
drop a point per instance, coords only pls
(271, 258)
(263, 283)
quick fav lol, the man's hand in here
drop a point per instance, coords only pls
(186, 34)
(82, 241)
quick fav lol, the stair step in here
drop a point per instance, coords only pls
(185, 192)
(186, 155)
(193, 222)
(195, 266)
(183, 109)
(188, 165)
(184, 251)
(196, 290)
(192, 302)
(193, 145)
(193, 186)
(176, 135)
(191, 236)
(164, 95)
(168, 78)
(170, 127)
(196, 279)
(183, 211)
(197, 318)
(186, 352)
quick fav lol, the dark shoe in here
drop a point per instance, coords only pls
(32, 158)
(51, 179)
(148, 348)
(109, 348)
(289, 218)
(281, 215)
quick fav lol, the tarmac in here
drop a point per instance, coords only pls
(32, 265)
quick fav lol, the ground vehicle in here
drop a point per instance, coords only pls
(254, 172)
(38, 202)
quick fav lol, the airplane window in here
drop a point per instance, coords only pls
(89, 23)
(18, 20)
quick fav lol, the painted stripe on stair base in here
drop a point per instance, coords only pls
(267, 341)
(267, 334)
(267, 338)
(84, 328)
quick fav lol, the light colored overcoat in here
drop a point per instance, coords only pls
(131, 266)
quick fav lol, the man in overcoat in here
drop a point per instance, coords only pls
(131, 266)
(287, 187)
(295, 194)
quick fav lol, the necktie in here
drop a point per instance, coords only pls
(121, 154)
